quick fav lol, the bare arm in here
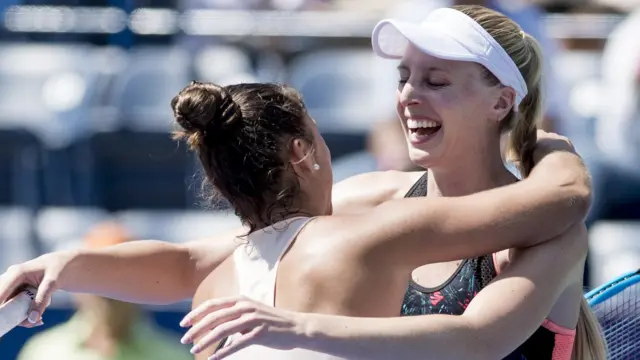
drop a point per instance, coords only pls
(129, 272)
(148, 271)
(415, 231)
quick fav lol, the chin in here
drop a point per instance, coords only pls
(422, 158)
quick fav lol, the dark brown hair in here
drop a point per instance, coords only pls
(242, 134)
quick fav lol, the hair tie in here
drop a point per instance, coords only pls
(523, 34)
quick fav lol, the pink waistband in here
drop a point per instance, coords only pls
(553, 327)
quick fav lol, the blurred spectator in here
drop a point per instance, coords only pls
(104, 329)
(618, 127)
(616, 166)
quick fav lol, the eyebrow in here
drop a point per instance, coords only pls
(403, 67)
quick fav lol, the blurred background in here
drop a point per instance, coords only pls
(85, 151)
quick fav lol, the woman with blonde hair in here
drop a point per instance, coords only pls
(454, 104)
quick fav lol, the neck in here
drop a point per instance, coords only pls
(282, 215)
(470, 175)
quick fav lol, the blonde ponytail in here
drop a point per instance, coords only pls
(589, 343)
(521, 125)
(522, 139)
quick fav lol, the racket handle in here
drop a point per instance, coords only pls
(15, 311)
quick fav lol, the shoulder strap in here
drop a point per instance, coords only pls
(419, 188)
(484, 270)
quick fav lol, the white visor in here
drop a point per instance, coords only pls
(451, 35)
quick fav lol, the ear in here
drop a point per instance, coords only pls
(504, 102)
(302, 157)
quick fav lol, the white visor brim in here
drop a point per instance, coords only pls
(450, 35)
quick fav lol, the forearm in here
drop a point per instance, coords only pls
(569, 171)
(555, 196)
(523, 214)
(394, 338)
(146, 271)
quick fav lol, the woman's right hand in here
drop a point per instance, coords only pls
(254, 322)
(42, 273)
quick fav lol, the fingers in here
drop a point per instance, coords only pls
(237, 344)
(42, 300)
(213, 320)
(27, 324)
(10, 281)
(208, 307)
(250, 326)
(11, 284)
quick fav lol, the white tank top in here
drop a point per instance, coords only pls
(256, 265)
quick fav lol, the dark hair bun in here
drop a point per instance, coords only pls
(205, 108)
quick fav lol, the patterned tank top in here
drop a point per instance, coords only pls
(549, 342)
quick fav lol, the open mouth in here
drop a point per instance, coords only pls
(423, 129)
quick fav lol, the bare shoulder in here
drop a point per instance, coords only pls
(327, 274)
(364, 191)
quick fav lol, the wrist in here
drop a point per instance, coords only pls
(311, 330)
(72, 265)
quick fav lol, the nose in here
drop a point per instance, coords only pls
(408, 95)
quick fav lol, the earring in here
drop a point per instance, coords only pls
(316, 167)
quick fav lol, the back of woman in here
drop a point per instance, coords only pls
(255, 273)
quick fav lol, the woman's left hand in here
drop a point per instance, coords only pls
(257, 324)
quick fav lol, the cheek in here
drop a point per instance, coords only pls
(458, 105)
(447, 99)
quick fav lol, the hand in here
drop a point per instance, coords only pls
(257, 324)
(549, 142)
(42, 273)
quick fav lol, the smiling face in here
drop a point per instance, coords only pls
(447, 108)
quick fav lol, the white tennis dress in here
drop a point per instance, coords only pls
(257, 270)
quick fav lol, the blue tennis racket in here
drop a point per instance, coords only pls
(617, 306)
